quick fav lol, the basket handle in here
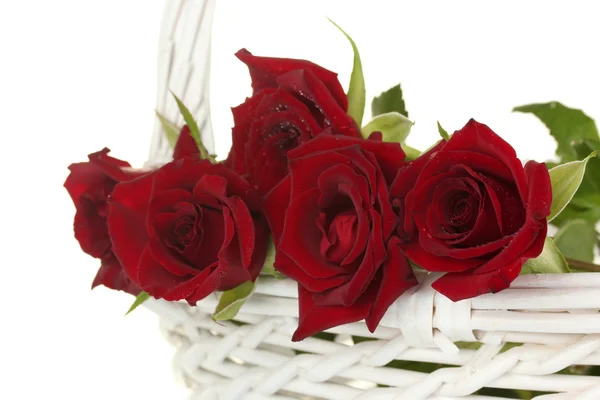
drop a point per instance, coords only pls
(184, 68)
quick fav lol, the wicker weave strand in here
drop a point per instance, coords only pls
(257, 354)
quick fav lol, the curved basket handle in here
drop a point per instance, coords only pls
(184, 68)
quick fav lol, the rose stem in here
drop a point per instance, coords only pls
(582, 265)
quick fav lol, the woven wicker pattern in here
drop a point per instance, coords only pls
(184, 69)
(254, 358)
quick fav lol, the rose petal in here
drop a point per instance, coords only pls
(381, 191)
(127, 222)
(157, 281)
(215, 236)
(244, 228)
(180, 174)
(309, 88)
(538, 208)
(365, 163)
(389, 155)
(114, 168)
(186, 146)
(434, 263)
(261, 234)
(479, 138)
(444, 161)
(468, 284)
(438, 219)
(112, 276)
(540, 190)
(396, 277)
(314, 319)
(375, 254)
(404, 179)
(348, 187)
(305, 171)
(289, 268)
(265, 70)
(169, 260)
(300, 239)
(164, 202)
(242, 117)
(275, 205)
(91, 230)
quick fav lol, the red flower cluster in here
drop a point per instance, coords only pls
(346, 213)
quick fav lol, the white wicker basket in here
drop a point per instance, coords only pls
(554, 320)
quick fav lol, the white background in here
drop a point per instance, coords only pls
(76, 76)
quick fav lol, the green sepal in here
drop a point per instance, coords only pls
(269, 267)
(139, 299)
(551, 261)
(171, 130)
(231, 301)
(356, 89)
(443, 133)
(393, 126)
(194, 129)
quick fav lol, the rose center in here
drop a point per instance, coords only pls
(460, 210)
(185, 230)
(289, 137)
(187, 226)
(340, 237)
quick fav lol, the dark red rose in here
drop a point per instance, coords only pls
(188, 229)
(293, 102)
(470, 209)
(90, 184)
(332, 223)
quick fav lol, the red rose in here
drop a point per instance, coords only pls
(470, 209)
(90, 184)
(188, 229)
(332, 223)
(293, 101)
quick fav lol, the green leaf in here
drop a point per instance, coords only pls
(356, 89)
(269, 268)
(588, 195)
(551, 261)
(171, 130)
(576, 240)
(566, 125)
(394, 127)
(565, 180)
(194, 130)
(411, 152)
(572, 211)
(389, 101)
(442, 132)
(140, 298)
(232, 300)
